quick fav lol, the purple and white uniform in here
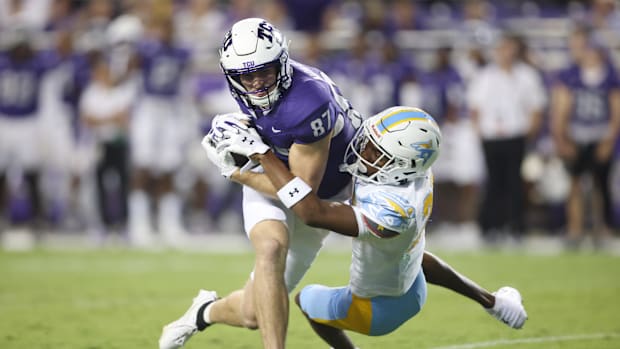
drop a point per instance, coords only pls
(158, 123)
(590, 118)
(20, 122)
(311, 109)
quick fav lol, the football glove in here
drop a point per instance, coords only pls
(508, 307)
(225, 125)
(246, 143)
(220, 158)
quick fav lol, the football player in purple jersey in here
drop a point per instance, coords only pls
(156, 131)
(301, 114)
(585, 125)
(22, 69)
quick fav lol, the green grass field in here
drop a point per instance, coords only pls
(121, 299)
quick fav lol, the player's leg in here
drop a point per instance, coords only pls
(602, 204)
(143, 126)
(270, 241)
(169, 159)
(305, 242)
(264, 221)
(332, 310)
(574, 203)
(236, 309)
(335, 337)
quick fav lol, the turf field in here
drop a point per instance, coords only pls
(120, 299)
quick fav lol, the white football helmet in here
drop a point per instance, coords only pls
(251, 45)
(408, 140)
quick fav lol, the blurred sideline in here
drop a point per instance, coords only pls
(442, 238)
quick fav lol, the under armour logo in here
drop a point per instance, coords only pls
(246, 140)
(293, 192)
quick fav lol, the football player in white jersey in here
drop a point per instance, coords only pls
(390, 158)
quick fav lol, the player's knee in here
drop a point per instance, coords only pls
(250, 322)
(270, 250)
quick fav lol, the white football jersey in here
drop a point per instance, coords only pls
(387, 254)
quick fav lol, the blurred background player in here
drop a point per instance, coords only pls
(158, 128)
(585, 123)
(22, 69)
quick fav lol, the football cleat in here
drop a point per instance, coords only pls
(508, 307)
(177, 333)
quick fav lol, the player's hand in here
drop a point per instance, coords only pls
(246, 143)
(508, 307)
(218, 156)
(223, 126)
(604, 150)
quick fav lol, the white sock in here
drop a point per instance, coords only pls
(169, 212)
(139, 207)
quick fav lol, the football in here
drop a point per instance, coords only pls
(239, 159)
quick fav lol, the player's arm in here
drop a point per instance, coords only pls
(307, 161)
(440, 273)
(255, 180)
(315, 212)
(605, 148)
(561, 101)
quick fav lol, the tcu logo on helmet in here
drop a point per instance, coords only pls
(265, 31)
(227, 40)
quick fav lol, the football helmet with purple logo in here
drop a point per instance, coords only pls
(252, 45)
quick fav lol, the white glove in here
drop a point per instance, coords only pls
(223, 126)
(246, 143)
(220, 158)
(508, 307)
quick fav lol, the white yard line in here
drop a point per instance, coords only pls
(489, 344)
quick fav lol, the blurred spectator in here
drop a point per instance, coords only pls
(506, 100)
(478, 22)
(239, 9)
(458, 171)
(200, 26)
(586, 122)
(395, 70)
(604, 15)
(307, 16)
(31, 14)
(403, 15)
(104, 110)
(353, 71)
(157, 136)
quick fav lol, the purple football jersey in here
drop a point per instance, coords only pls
(20, 83)
(590, 109)
(162, 67)
(308, 111)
